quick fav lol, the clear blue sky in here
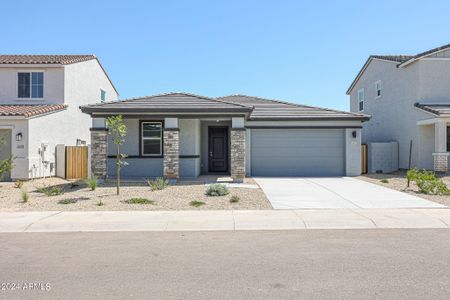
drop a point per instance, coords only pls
(302, 51)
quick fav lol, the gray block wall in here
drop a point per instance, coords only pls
(383, 157)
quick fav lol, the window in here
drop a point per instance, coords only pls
(448, 138)
(151, 135)
(102, 95)
(378, 89)
(30, 85)
(361, 99)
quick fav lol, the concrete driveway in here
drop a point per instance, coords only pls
(342, 192)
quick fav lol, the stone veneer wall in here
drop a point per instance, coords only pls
(440, 162)
(238, 154)
(171, 153)
(99, 152)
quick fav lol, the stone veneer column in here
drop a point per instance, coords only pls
(99, 152)
(238, 154)
(171, 153)
(440, 162)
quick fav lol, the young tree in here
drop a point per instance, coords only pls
(6, 165)
(118, 131)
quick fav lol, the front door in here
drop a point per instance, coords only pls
(218, 149)
(5, 151)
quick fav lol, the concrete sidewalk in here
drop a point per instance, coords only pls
(226, 220)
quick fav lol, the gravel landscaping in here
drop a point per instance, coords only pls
(397, 181)
(77, 196)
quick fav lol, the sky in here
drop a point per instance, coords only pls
(300, 51)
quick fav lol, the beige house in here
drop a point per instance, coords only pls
(39, 100)
(408, 99)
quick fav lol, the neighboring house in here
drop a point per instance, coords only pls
(408, 99)
(183, 135)
(39, 100)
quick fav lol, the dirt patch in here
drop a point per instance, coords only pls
(398, 181)
(77, 196)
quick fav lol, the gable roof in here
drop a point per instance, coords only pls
(27, 111)
(167, 103)
(269, 109)
(45, 59)
(402, 60)
(440, 109)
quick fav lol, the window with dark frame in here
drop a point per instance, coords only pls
(151, 138)
(30, 85)
(448, 138)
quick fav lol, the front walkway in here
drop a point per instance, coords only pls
(226, 220)
(336, 192)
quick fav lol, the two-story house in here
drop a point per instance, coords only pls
(408, 99)
(40, 97)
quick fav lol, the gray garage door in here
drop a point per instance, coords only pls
(297, 152)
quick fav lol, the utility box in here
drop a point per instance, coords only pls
(383, 157)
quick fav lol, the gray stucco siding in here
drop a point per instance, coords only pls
(137, 168)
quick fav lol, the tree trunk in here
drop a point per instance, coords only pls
(117, 169)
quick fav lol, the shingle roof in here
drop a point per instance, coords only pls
(29, 110)
(166, 103)
(45, 59)
(267, 109)
(437, 109)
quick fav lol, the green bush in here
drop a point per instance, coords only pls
(196, 203)
(25, 196)
(234, 199)
(139, 201)
(217, 190)
(384, 181)
(427, 182)
(67, 201)
(18, 184)
(91, 182)
(50, 190)
(158, 184)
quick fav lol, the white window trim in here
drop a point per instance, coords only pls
(151, 138)
(31, 85)
(103, 91)
(363, 100)
(376, 89)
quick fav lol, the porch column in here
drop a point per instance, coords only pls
(237, 142)
(440, 156)
(99, 148)
(171, 149)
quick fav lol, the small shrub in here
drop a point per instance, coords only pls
(139, 201)
(384, 180)
(158, 184)
(67, 201)
(196, 203)
(217, 190)
(427, 182)
(92, 183)
(100, 203)
(234, 199)
(25, 196)
(50, 190)
(18, 184)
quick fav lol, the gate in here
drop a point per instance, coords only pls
(76, 162)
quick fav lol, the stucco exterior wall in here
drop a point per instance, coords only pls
(393, 115)
(19, 149)
(53, 85)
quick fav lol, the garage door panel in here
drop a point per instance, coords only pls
(297, 152)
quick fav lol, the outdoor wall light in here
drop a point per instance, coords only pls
(354, 134)
(19, 137)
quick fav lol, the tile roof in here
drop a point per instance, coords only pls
(440, 109)
(45, 59)
(29, 110)
(256, 108)
(396, 58)
(267, 109)
(166, 103)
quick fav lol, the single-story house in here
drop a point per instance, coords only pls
(184, 135)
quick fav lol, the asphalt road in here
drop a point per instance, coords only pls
(319, 264)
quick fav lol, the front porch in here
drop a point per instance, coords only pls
(172, 147)
(434, 138)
